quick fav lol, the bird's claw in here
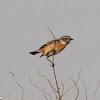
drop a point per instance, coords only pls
(52, 65)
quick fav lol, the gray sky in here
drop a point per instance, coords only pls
(23, 28)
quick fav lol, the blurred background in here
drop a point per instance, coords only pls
(23, 28)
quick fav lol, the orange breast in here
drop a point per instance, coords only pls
(58, 48)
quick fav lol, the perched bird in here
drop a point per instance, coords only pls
(48, 48)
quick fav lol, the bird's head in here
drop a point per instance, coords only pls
(66, 39)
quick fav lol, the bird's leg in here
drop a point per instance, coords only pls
(51, 62)
(41, 55)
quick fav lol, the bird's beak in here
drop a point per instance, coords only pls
(72, 39)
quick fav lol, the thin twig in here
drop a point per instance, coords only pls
(57, 84)
(63, 87)
(18, 85)
(54, 44)
(72, 85)
(53, 65)
(51, 32)
(85, 90)
(77, 88)
(96, 90)
(47, 80)
(38, 89)
(47, 94)
(54, 90)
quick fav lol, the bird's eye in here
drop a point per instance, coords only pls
(65, 38)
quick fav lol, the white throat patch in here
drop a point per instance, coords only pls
(63, 42)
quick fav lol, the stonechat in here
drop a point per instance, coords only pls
(48, 48)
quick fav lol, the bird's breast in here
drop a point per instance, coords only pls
(58, 48)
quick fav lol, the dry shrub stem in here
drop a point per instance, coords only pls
(96, 90)
(47, 94)
(52, 87)
(85, 90)
(57, 84)
(48, 81)
(18, 85)
(72, 85)
(63, 87)
(77, 88)
(53, 65)
(40, 90)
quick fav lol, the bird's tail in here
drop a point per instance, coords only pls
(34, 52)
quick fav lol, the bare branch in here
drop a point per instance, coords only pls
(18, 85)
(47, 94)
(38, 89)
(54, 46)
(54, 90)
(63, 87)
(72, 85)
(96, 90)
(77, 88)
(53, 65)
(85, 90)
(51, 32)
(47, 80)
(57, 83)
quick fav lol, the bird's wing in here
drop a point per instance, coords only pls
(48, 43)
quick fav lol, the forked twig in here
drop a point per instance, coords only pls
(47, 80)
(54, 90)
(96, 90)
(85, 90)
(72, 85)
(18, 85)
(38, 89)
(47, 94)
(77, 88)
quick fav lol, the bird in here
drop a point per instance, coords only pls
(48, 48)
